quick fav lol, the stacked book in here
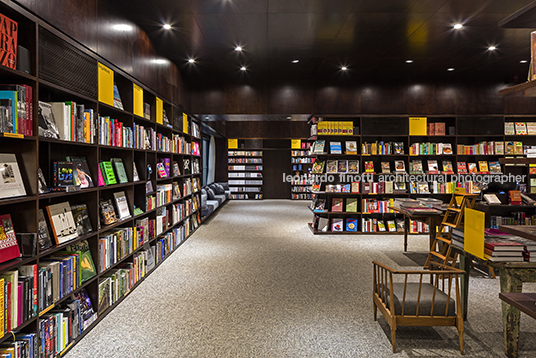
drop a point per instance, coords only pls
(529, 246)
(457, 237)
(501, 247)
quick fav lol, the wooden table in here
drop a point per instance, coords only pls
(512, 276)
(432, 219)
(525, 302)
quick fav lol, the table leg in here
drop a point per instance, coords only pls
(465, 265)
(511, 315)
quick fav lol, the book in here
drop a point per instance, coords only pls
(351, 205)
(399, 225)
(176, 170)
(515, 197)
(354, 187)
(483, 166)
(492, 199)
(398, 147)
(149, 187)
(11, 184)
(319, 146)
(8, 50)
(509, 128)
(318, 167)
(337, 204)
(531, 128)
(335, 148)
(502, 244)
(323, 224)
(521, 128)
(81, 219)
(499, 148)
(472, 168)
(120, 171)
(353, 167)
(81, 173)
(43, 234)
(495, 167)
(117, 98)
(351, 147)
(100, 177)
(337, 224)
(351, 225)
(108, 174)
(440, 128)
(87, 313)
(416, 167)
(320, 206)
(9, 119)
(369, 166)
(63, 174)
(518, 148)
(87, 266)
(9, 248)
(62, 222)
(41, 182)
(105, 294)
(462, 168)
(46, 124)
(447, 167)
(342, 166)
(447, 149)
(122, 205)
(391, 226)
(331, 166)
(400, 166)
(386, 167)
(381, 225)
(433, 167)
(107, 212)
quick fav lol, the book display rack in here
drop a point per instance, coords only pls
(245, 168)
(100, 183)
(402, 145)
(301, 164)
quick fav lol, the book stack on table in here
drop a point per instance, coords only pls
(502, 247)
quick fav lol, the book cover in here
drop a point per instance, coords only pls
(369, 166)
(87, 266)
(531, 128)
(337, 204)
(351, 147)
(521, 128)
(440, 128)
(398, 147)
(319, 146)
(107, 171)
(416, 167)
(122, 205)
(8, 42)
(433, 167)
(509, 128)
(62, 222)
(11, 184)
(342, 166)
(515, 197)
(386, 168)
(447, 167)
(509, 147)
(81, 173)
(81, 219)
(107, 212)
(135, 176)
(492, 199)
(41, 182)
(46, 125)
(391, 226)
(63, 174)
(101, 178)
(472, 168)
(331, 166)
(381, 225)
(8, 101)
(105, 299)
(43, 234)
(120, 171)
(483, 166)
(320, 206)
(318, 167)
(323, 224)
(399, 166)
(353, 167)
(518, 148)
(447, 149)
(499, 148)
(337, 224)
(117, 98)
(462, 168)
(351, 205)
(9, 248)
(351, 225)
(176, 170)
(161, 170)
(355, 187)
(335, 148)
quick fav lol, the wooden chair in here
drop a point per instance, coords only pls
(414, 302)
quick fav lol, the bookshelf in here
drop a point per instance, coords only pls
(301, 164)
(468, 139)
(161, 133)
(245, 173)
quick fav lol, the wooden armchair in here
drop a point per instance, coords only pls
(414, 302)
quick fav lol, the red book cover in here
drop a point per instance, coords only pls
(29, 110)
(440, 128)
(8, 42)
(9, 249)
(462, 168)
(504, 246)
(336, 204)
(515, 197)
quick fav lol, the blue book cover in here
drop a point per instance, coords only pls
(335, 148)
(10, 96)
(351, 224)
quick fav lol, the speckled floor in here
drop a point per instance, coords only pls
(254, 282)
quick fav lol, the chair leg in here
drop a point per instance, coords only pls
(460, 336)
(375, 311)
(393, 338)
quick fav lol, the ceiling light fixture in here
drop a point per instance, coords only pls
(243, 68)
(492, 48)
(295, 61)
(458, 26)
(166, 27)
(191, 60)
(160, 61)
(450, 69)
(344, 68)
(122, 27)
(409, 61)
(238, 48)
(523, 61)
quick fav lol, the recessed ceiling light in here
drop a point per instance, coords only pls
(344, 68)
(160, 61)
(458, 26)
(523, 61)
(295, 61)
(243, 68)
(450, 69)
(207, 117)
(289, 117)
(409, 61)
(191, 60)
(492, 48)
(122, 27)
(167, 27)
(238, 48)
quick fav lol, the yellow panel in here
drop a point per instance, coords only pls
(417, 125)
(106, 85)
(159, 111)
(138, 100)
(295, 144)
(185, 123)
(232, 143)
(473, 241)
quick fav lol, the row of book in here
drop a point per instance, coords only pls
(519, 128)
(245, 196)
(301, 153)
(367, 225)
(16, 109)
(518, 218)
(301, 160)
(428, 148)
(245, 189)
(245, 182)
(244, 175)
(245, 160)
(244, 167)
(301, 189)
(334, 128)
(246, 153)
(382, 148)
(491, 148)
(301, 196)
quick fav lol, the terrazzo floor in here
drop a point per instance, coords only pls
(254, 282)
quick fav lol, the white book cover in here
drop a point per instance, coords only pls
(62, 222)
(122, 205)
(509, 128)
(11, 184)
(531, 128)
(60, 110)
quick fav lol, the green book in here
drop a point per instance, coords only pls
(87, 267)
(351, 205)
(108, 173)
(120, 170)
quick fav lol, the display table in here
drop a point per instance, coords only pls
(433, 219)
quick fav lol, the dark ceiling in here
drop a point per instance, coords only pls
(373, 38)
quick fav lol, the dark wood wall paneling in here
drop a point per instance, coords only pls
(90, 23)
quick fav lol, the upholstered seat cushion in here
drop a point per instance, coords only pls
(203, 200)
(213, 204)
(221, 198)
(425, 306)
(210, 194)
(225, 185)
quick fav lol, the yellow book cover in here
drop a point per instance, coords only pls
(232, 143)
(339, 128)
(348, 128)
(2, 304)
(159, 111)
(418, 126)
(137, 100)
(106, 85)
(518, 148)
(330, 128)
(87, 127)
(510, 148)
(185, 123)
(295, 143)
(483, 166)
(322, 128)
